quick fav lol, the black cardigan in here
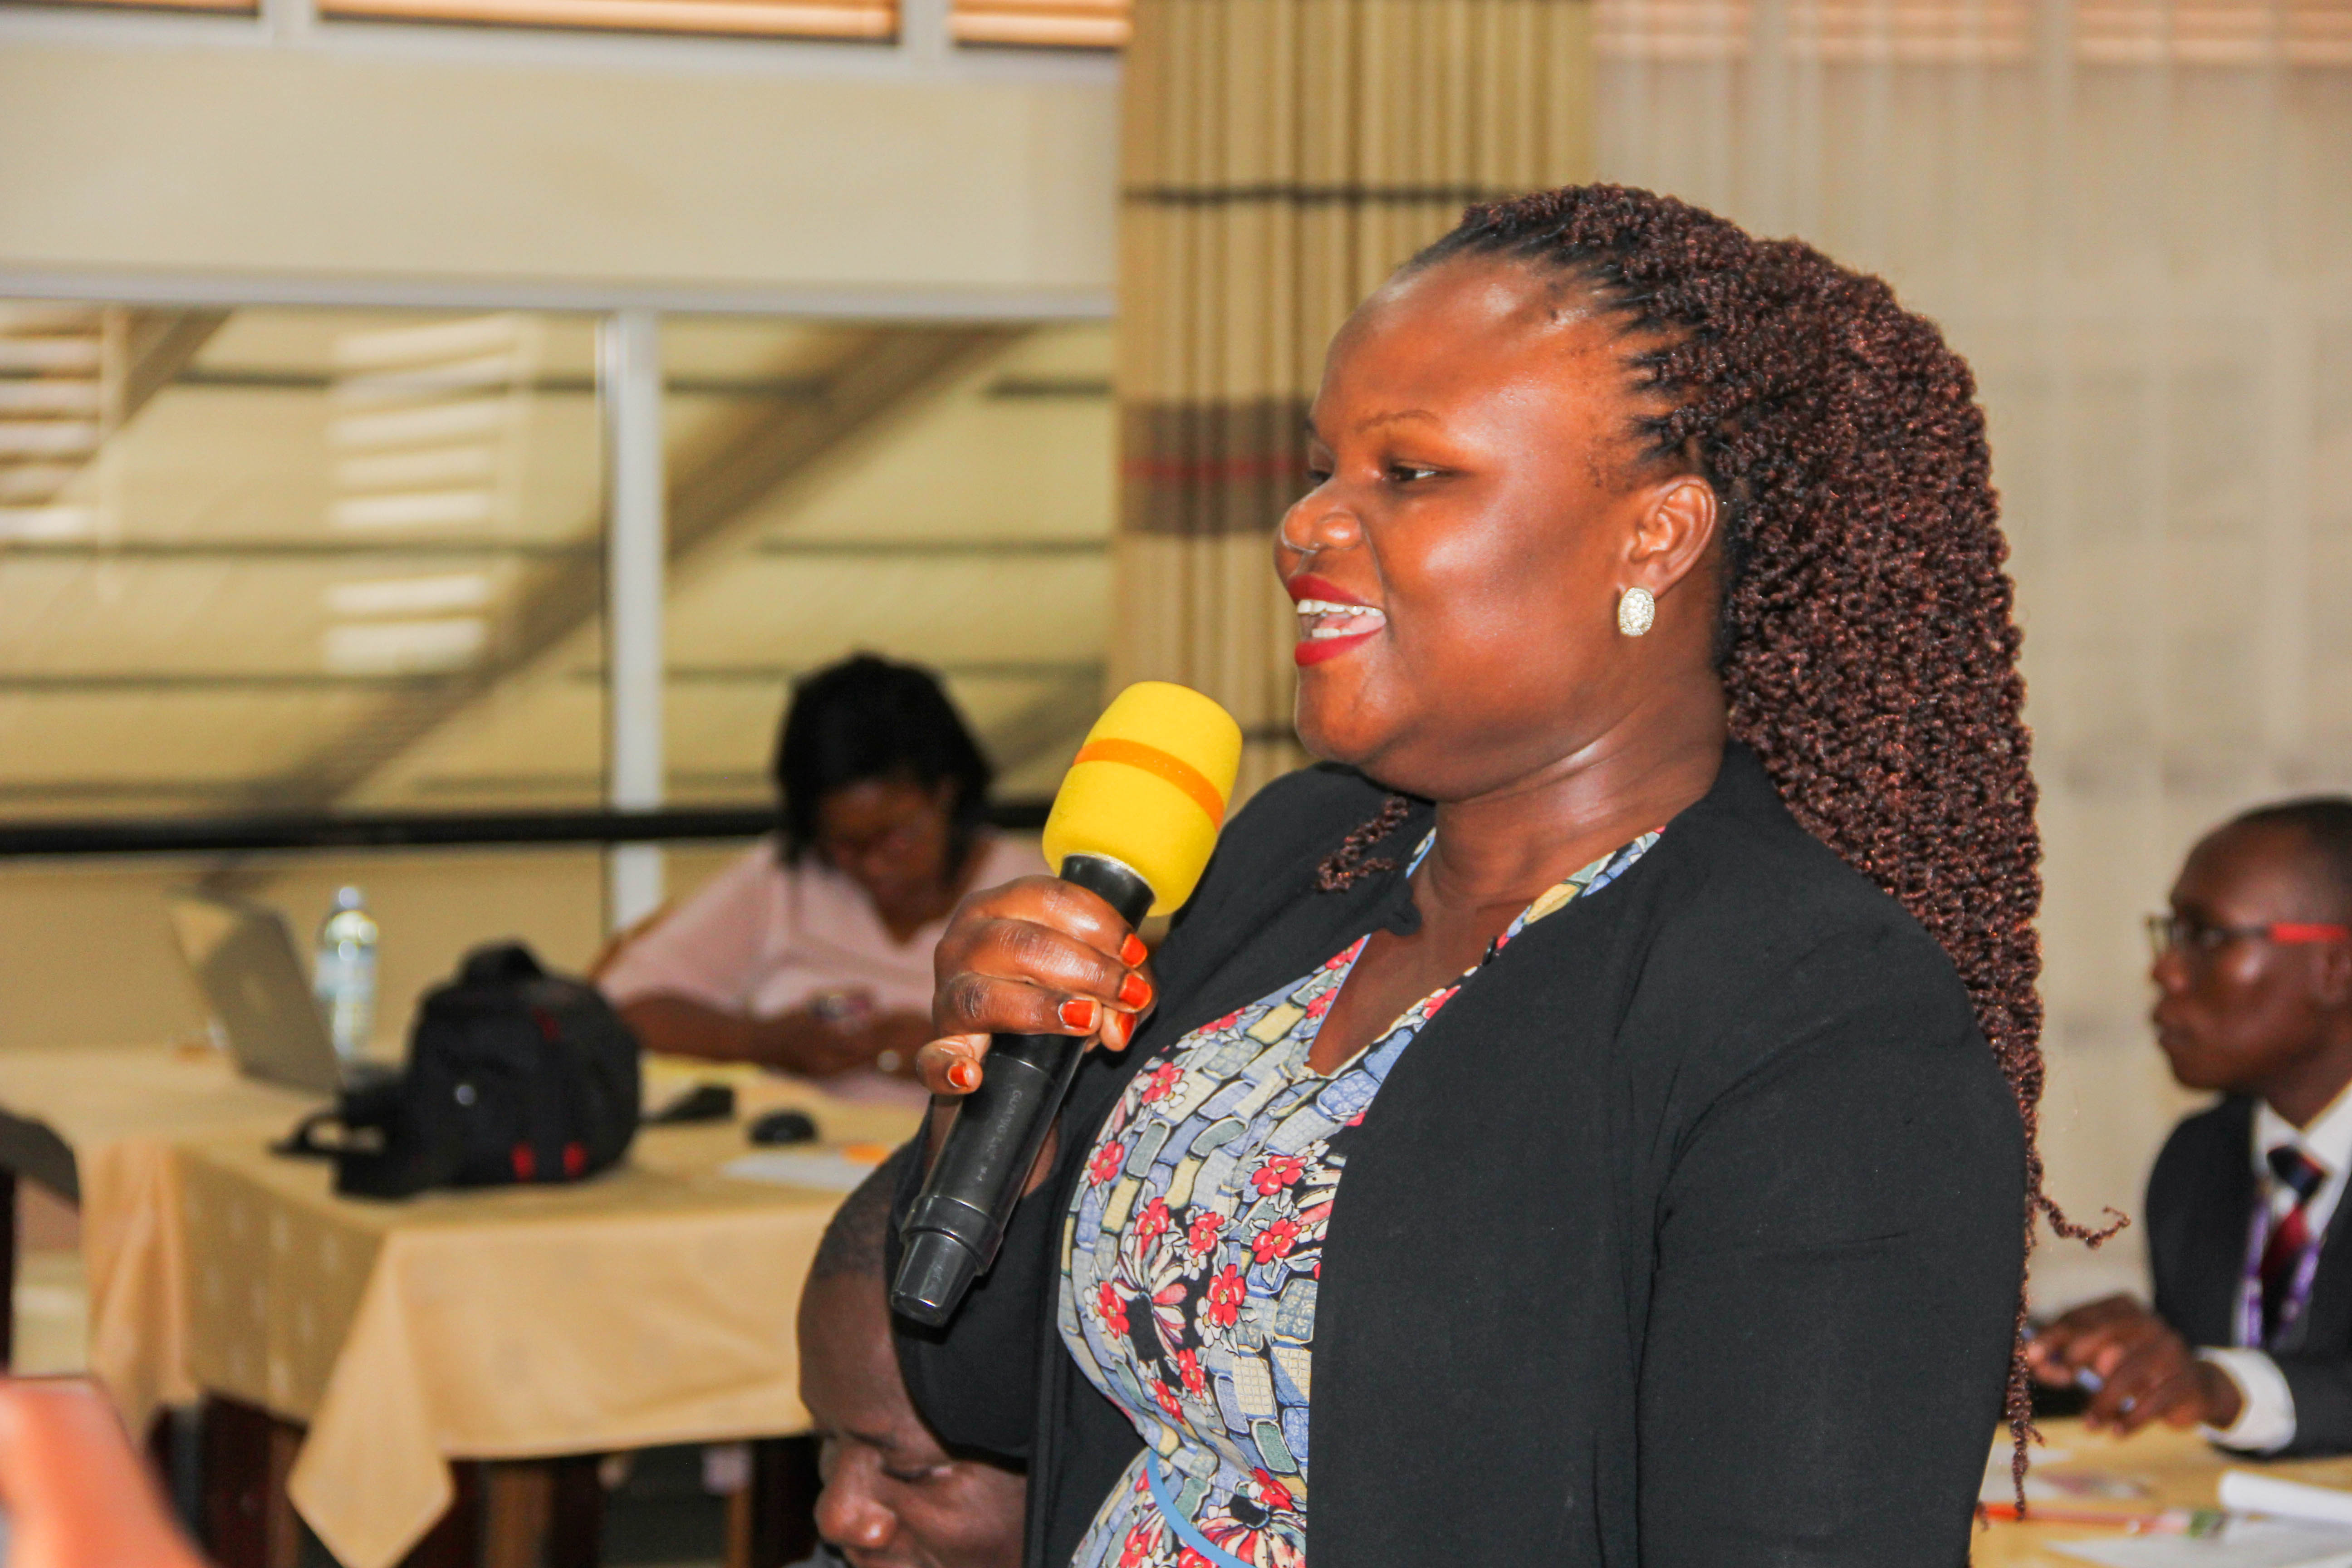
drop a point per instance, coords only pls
(1687, 1235)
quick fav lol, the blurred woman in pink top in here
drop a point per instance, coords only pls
(813, 953)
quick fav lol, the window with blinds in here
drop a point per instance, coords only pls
(2115, 32)
(876, 19)
(213, 8)
(1063, 24)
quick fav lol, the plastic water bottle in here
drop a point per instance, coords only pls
(345, 976)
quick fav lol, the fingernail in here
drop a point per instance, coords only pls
(1080, 1013)
(1134, 991)
(1132, 951)
(964, 1075)
(1117, 1029)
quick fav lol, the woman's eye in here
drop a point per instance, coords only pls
(1409, 473)
(914, 1477)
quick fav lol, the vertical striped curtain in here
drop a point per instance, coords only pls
(1281, 157)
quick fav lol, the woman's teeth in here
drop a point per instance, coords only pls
(1323, 618)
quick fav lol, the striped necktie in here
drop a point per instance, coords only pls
(2302, 1176)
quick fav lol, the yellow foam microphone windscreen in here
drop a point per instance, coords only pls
(1149, 788)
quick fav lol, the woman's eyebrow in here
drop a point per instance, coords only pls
(1396, 417)
(1369, 421)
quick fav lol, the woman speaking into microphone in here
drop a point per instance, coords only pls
(1580, 1123)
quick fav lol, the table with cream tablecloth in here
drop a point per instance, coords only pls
(653, 1304)
(98, 1125)
(2160, 1467)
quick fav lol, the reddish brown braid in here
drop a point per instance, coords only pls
(1868, 645)
(1344, 866)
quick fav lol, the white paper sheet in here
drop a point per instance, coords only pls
(2251, 1493)
(827, 1169)
(2246, 1543)
(2064, 1487)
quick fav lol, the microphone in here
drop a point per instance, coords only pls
(1133, 824)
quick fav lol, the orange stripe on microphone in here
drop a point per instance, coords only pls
(1159, 765)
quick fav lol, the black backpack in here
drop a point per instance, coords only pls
(514, 1074)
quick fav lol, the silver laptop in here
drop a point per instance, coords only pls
(244, 960)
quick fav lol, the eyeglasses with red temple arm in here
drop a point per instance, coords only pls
(2180, 934)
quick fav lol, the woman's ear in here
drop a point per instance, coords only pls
(2335, 987)
(1677, 524)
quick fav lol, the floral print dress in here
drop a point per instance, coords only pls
(1192, 1254)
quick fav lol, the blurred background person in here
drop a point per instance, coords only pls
(894, 1496)
(77, 1494)
(812, 952)
(2250, 1334)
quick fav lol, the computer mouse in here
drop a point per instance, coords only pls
(703, 1102)
(783, 1127)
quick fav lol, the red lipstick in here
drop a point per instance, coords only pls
(1315, 652)
(1307, 586)
(1330, 602)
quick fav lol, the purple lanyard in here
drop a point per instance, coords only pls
(2250, 1283)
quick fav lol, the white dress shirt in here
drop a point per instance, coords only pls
(2265, 1422)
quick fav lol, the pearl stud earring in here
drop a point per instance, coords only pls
(1635, 611)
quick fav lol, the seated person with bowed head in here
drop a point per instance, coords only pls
(894, 1496)
(813, 953)
(2250, 1336)
(77, 1495)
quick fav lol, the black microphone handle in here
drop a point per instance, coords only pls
(953, 1232)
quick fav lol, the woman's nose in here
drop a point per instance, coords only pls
(848, 1514)
(1320, 521)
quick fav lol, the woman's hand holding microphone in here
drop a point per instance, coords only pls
(1036, 956)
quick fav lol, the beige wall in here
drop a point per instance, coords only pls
(87, 954)
(587, 162)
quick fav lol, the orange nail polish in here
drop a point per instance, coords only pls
(964, 1075)
(1134, 991)
(1132, 951)
(1080, 1013)
(1117, 1029)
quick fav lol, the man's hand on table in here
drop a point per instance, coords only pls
(77, 1495)
(2145, 1372)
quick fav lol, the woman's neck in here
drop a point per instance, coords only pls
(1506, 846)
(907, 916)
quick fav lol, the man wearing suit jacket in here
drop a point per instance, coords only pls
(2250, 1336)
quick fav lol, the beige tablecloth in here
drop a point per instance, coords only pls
(2164, 1467)
(120, 1110)
(654, 1304)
